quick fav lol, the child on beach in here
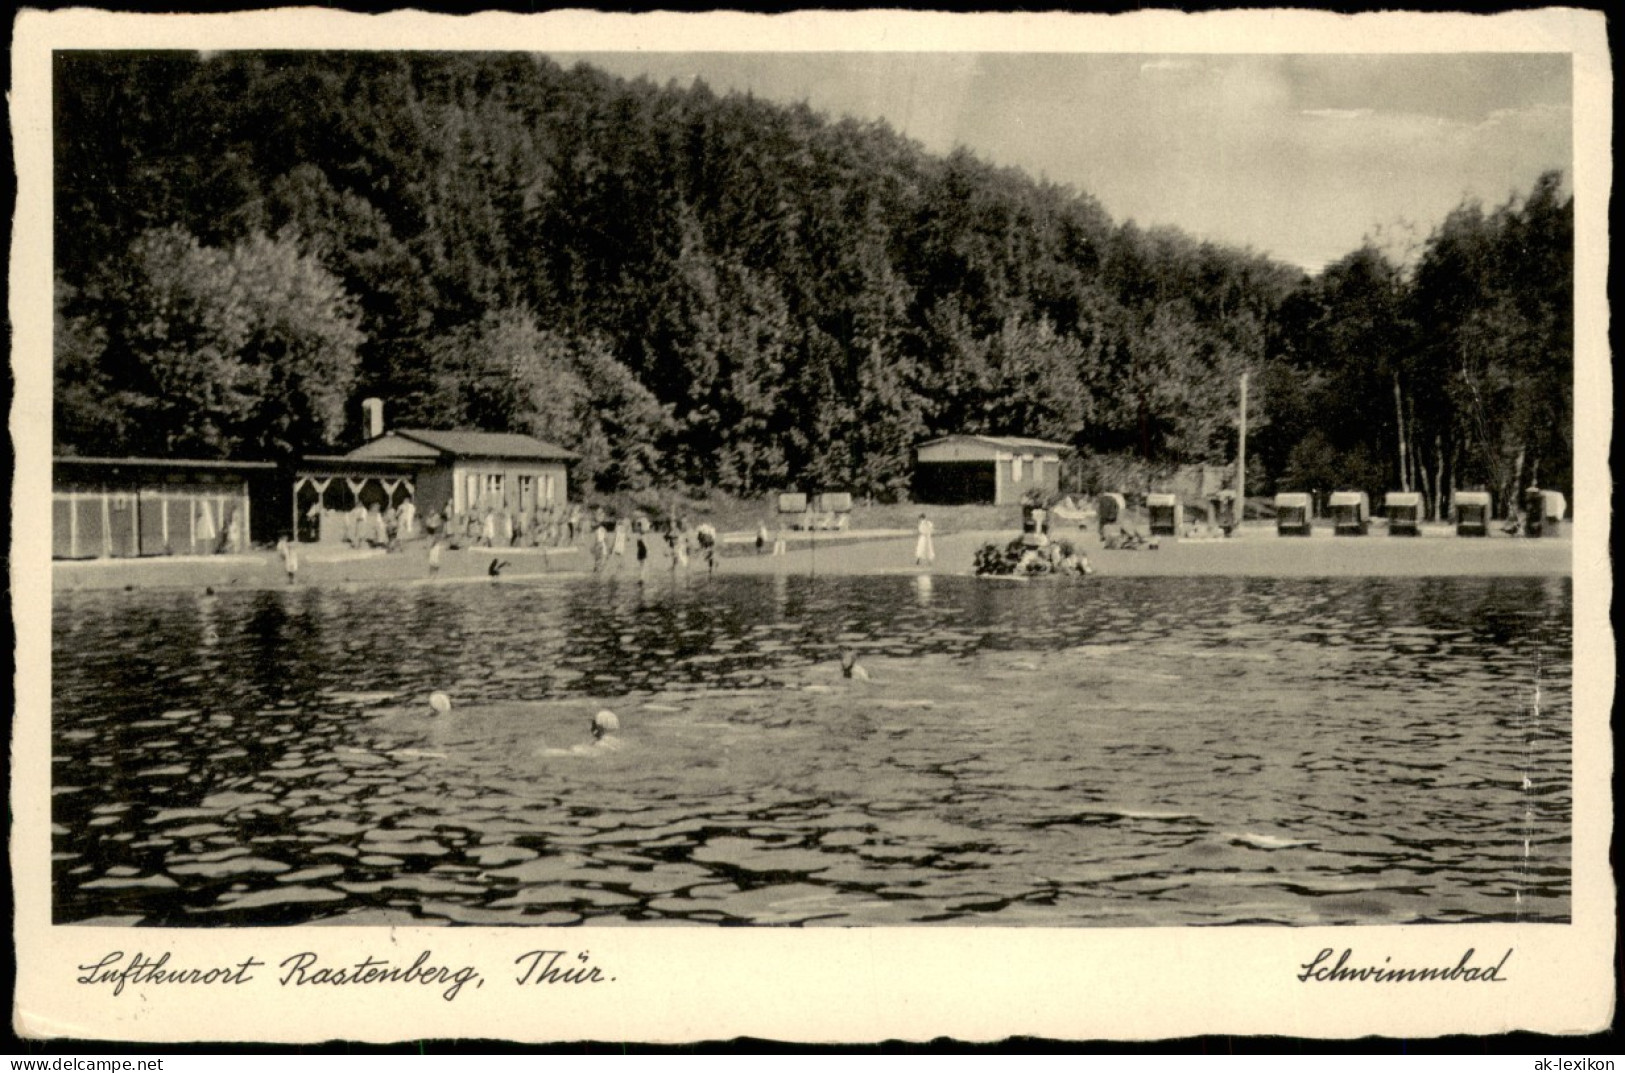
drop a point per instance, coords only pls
(779, 546)
(434, 557)
(761, 537)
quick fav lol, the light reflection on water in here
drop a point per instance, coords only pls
(1116, 752)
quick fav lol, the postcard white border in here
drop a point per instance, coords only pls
(860, 984)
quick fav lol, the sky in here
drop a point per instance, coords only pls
(1301, 157)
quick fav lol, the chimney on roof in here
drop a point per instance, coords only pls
(374, 409)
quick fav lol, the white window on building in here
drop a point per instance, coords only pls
(1015, 468)
(493, 489)
(527, 491)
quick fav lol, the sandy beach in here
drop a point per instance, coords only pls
(1256, 552)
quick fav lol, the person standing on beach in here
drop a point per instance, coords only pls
(353, 523)
(643, 550)
(706, 534)
(761, 537)
(434, 557)
(600, 545)
(779, 545)
(925, 552)
(290, 558)
(618, 545)
(671, 544)
(231, 534)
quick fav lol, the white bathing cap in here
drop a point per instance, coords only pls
(606, 721)
(439, 702)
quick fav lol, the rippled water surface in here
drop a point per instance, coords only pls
(1122, 752)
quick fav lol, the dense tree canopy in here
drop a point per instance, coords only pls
(202, 351)
(718, 291)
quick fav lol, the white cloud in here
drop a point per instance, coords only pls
(1337, 113)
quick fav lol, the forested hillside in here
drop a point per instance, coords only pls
(726, 293)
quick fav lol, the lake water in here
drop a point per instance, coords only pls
(1115, 752)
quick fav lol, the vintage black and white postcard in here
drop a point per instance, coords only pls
(824, 527)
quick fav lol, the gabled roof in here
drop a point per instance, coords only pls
(408, 443)
(1005, 443)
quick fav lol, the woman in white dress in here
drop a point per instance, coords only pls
(925, 553)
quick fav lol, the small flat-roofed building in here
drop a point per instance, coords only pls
(1404, 513)
(448, 473)
(834, 510)
(128, 507)
(1165, 516)
(1110, 509)
(1293, 513)
(1554, 509)
(1543, 511)
(1351, 513)
(1000, 470)
(1472, 510)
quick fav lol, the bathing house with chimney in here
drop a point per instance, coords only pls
(441, 472)
(129, 507)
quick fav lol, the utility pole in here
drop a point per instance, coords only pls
(1241, 461)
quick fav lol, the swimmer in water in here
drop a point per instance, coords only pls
(604, 725)
(439, 704)
(496, 567)
(851, 668)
